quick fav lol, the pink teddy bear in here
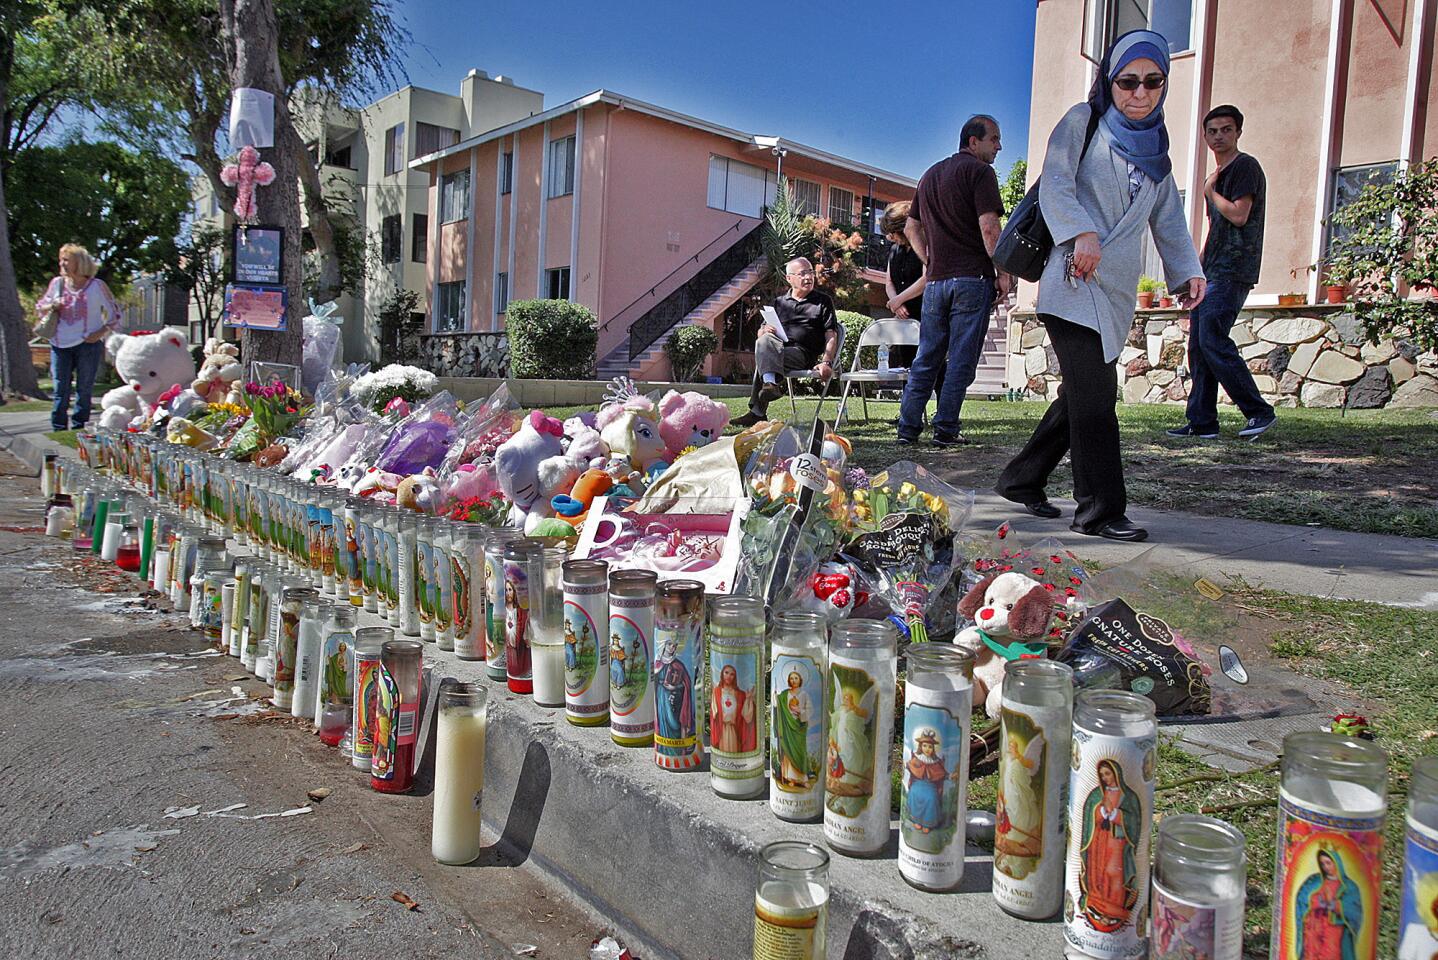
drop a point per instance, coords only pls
(246, 174)
(690, 420)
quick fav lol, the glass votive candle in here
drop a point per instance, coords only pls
(459, 773)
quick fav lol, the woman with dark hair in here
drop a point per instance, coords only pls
(904, 281)
(1107, 179)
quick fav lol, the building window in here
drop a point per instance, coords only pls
(557, 281)
(394, 149)
(340, 158)
(419, 240)
(739, 187)
(804, 194)
(454, 197)
(841, 206)
(429, 138)
(1107, 20)
(506, 173)
(391, 238)
(449, 307)
(501, 292)
(1348, 183)
(561, 167)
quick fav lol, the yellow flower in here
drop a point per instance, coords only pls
(861, 496)
(907, 490)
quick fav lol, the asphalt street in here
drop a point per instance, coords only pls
(139, 795)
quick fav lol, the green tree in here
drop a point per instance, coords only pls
(123, 205)
(200, 269)
(783, 232)
(1386, 250)
(1013, 188)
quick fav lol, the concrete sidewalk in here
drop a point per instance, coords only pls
(1315, 561)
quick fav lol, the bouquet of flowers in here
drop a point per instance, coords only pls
(905, 526)
(421, 439)
(492, 511)
(274, 410)
(376, 390)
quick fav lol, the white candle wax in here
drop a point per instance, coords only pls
(110, 546)
(458, 785)
(790, 920)
(547, 661)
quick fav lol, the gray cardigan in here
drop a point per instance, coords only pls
(1096, 199)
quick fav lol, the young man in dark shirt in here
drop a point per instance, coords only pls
(809, 340)
(953, 227)
(1236, 194)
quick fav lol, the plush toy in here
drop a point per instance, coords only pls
(349, 476)
(834, 592)
(581, 441)
(836, 450)
(219, 372)
(469, 480)
(690, 420)
(628, 428)
(573, 507)
(149, 364)
(379, 484)
(1011, 615)
(247, 172)
(418, 492)
(517, 460)
(555, 475)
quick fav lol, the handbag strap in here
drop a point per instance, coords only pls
(1093, 118)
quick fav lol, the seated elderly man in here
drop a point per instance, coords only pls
(808, 338)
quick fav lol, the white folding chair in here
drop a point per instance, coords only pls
(891, 333)
(771, 317)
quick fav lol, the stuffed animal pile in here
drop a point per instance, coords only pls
(149, 365)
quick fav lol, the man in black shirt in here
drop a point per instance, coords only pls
(809, 332)
(1235, 193)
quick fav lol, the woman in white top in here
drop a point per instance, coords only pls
(85, 311)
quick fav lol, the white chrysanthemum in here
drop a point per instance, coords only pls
(394, 376)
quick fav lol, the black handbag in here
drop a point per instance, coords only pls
(1025, 243)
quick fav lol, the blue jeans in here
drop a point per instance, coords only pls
(1213, 359)
(951, 340)
(82, 363)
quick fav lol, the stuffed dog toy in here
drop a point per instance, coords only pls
(1011, 614)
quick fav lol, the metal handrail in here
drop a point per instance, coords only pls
(677, 304)
(694, 259)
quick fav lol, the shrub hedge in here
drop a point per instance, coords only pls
(551, 340)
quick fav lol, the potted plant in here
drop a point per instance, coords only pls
(1165, 301)
(1148, 288)
(1292, 299)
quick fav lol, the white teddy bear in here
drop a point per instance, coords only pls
(148, 364)
(1011, 614)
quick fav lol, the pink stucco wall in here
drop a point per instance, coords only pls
(1377, 74)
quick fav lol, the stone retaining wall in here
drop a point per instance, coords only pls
(1300, 357)
(465, 354)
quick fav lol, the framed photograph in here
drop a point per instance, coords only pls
(259, 255)
(256, 308)
(267, 373)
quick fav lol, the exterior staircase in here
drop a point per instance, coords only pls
(990, 380)
(617, 362)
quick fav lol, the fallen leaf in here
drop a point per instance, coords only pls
(180, 813)
(319, 794)
(355, 848)
(404, 899)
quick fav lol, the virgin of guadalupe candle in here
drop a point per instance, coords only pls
(441, 586)
(521, 563)
(1106, 877)
(351, 557)
(631, 629)
(678, 660)
(791, 903)
(466, 563)
(938, 701)
(369, 642)
(459, 773)
(426, 590)
(494, 547)
(1200, 877)
(1332, 801)
(287, 643)
(314, 614)
(1418, 904)
(799, 645)
(736, 703)
(1035, 739)
(406, 579)
(586, 652)
(335, 694)
(396, 716)
(863, 673)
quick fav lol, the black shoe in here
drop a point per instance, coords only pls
(747, 420)
(1043, 509)
(1256, 425)
(770, 392)
(1187, 431)
(907, 441)
(1121, 530)
(950, 440)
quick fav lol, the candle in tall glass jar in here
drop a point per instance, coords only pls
(736, 703)
(396, 716)
(388, 585)
(1106, 876)
(287, 643)
(314, 614)
(494, 547)
(466, 576)
(408, 579)
(426, 590)
(546, 627)
(521, 567)
(1199, 884)
(228, 640)
(863, 673)
(933, 806)
(586, 649)
(678, 660)
(791, 903)
(351, 557)
(369, 539)
(335, 694)
(1418, 902)
(369, 642)
(799, 649)
(459, 773)
(442, 587)
(631, 632)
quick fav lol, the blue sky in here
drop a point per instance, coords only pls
(888, 83)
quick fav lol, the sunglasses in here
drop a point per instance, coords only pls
(1131, 83)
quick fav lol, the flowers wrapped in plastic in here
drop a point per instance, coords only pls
(904, 530)
(422, 439)
(375, 390)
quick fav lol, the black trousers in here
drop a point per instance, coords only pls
(1082, 422)
(772, 355)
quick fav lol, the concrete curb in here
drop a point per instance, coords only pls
(29, 448)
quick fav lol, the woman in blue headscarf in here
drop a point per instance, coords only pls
(1107, 180)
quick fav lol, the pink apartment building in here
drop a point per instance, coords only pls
(648, 217)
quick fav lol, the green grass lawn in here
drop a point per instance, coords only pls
(63, 437)
(1374, 471)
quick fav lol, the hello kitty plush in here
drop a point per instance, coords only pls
(1011, 614)
(690, 419)
(149, 364)
(532, 468)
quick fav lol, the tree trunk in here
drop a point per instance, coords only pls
(17, 373)
(252, 50)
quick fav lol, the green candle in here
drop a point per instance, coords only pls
(97, 534)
